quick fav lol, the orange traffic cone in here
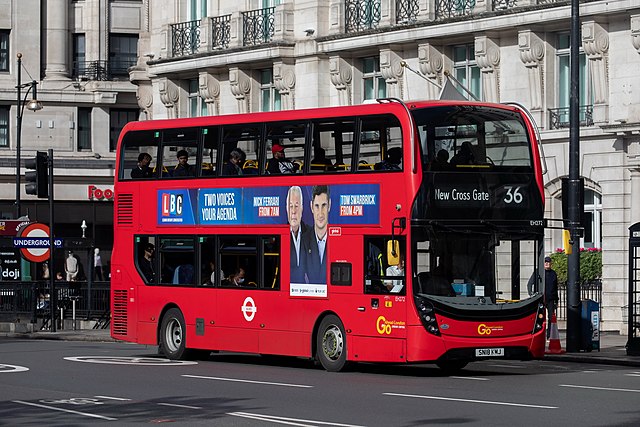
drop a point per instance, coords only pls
(554, 337)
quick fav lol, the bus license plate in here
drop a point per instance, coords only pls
(489, 352)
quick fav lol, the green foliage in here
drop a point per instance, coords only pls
(590, 264)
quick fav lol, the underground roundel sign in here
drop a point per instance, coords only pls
(249, 309)
(34, 242)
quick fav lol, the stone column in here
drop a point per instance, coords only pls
(595, 42)
(57, 28)
(169, 95)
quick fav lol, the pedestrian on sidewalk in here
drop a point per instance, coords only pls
(550, 290)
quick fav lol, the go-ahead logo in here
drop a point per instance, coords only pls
(384, 326)
(488, 329)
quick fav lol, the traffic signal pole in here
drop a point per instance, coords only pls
(574, 205)
(52, 283)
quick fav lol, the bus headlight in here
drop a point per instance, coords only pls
(427, 315)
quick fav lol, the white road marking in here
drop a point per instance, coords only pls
(247, 381)
(470, 378)
(180, 406)
(4, 369)
(288, 421)
(628, 390)
(484, 402)
(70, 411)
(495, 365)
(112, 398)
(125, 360)
(633, 375)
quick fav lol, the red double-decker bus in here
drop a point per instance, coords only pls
(386, 232)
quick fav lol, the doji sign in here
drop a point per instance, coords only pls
(100, 194)
(33, 242)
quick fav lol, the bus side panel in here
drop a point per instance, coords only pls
(371, 349)
(287, 343)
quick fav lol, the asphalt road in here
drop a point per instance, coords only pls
(57, 383)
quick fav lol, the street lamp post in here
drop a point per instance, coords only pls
(33, 105)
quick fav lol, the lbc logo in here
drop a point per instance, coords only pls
(172, 204)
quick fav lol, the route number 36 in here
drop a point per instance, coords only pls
(513, 195)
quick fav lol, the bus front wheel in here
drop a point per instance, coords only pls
(172, 335)
(331, 345)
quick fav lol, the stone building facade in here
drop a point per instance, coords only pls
(210, 57)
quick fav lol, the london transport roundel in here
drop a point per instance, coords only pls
(39, 231)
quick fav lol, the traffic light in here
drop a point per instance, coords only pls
(37, 179)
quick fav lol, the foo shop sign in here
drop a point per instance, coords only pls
(96, 193)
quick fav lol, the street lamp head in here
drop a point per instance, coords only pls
(34, 104)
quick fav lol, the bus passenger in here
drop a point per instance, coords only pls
(392, 162)
(235, 279)
(315, 241)
(142, 169)
(441, 161)
(320, 161)
(232, 166)
(297, 228)
(464, 156)
(279, 163)
(146, 263)
(183, 168)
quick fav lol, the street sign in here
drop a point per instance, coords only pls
(34, 242)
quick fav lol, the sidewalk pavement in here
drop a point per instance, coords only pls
(612, 345)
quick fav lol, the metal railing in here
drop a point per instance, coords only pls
(591, 289)
(31, 301)
(504, 4)
(185, 38)
(102, 70)
(559, 117)
(452, 8)
(361, 15)
(220, 31)
(258, 26)
(407, 11)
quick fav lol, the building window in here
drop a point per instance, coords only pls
(4, 126)
(123, 53)
(269, 95)
(197, 9)
(374, 85)
(592, 220)
(466, 70)
(79, 57)
(197, 106)
(117, 119)
(4, 50)
(561, 119)
(84, 128)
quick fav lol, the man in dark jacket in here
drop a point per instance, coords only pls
(550, 290)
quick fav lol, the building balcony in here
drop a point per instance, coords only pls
(559, 117)
(258, 26)
(220, 31)
(454, 8)
(407, 11)
(116, 69)
(361, 15)
(185, 38)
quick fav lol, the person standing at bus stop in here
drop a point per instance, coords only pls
(297, 229)
(316, 238)
(550, 290)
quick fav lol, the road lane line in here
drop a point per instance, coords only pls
(286, 420)
(70, 411)
(247, 381)
(112, 398)
(260, 418)
(484, 402)
(175, 405)
(470, 378)
(628, 390)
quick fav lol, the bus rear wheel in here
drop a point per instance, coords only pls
(331, 344)
(172, 335)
